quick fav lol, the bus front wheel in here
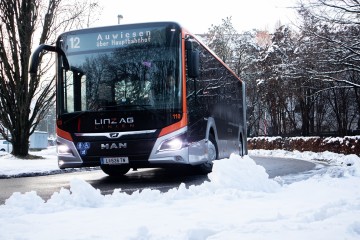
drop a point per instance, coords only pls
(115, 170)
(212, 149)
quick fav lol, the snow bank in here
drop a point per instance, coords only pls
(233, 174)
(240, 173)
(239, 202)
(12, 166)
(344, 145)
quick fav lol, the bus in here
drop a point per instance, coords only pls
(143, 95)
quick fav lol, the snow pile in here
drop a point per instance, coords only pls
(233, 174)
(239, 202)
(239, 173)
(12, 166)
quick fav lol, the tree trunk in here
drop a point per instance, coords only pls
(21, 145)
(21, 134)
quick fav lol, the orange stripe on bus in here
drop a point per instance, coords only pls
(183, 122)
(173, 127)
(63, 134)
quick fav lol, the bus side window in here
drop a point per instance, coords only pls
(68, 91)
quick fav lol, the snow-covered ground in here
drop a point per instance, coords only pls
(239, 202)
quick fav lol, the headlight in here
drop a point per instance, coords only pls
(63, 149)
(172, 144)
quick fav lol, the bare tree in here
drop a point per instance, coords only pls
(335, 26)
(25, 99)
(221, 39)
(299, 82)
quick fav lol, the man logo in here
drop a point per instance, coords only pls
(114, 135)
(107, 146)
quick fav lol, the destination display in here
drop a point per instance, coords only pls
(116, 38)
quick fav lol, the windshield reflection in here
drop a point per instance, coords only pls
(130, 77)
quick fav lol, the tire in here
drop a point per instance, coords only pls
(115, 170)
(206, 167)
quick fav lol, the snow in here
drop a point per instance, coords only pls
(11, 166)
(239, 201)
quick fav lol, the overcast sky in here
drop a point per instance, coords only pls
(198, 15)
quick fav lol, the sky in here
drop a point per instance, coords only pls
(198, 16)
(239, 201)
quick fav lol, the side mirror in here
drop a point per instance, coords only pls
(35, 57)
(34, 60)
(194, 64)
(193, 60)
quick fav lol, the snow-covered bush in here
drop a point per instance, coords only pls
(345, 145)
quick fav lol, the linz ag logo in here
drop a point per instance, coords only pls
(114, 123)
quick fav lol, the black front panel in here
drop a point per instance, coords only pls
(119, 120)
(129, 134)
(137, 150)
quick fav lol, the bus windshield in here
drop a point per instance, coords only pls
(115, 69)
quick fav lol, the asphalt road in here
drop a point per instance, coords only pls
(160, 179)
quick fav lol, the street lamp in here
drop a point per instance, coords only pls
(119, 18)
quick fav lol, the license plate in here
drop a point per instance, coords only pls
(114, 160)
